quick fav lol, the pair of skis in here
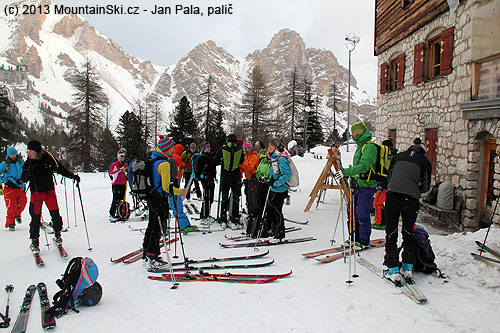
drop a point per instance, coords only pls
(408, 288)
(484, 248)
(48, 320)
(137, 254)
(62, 253)
(339, 252)
(188, 265)
(190, 208)
(224, 277)
(267, 242)
(245, 238)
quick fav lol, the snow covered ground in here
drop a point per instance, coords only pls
(315, 298)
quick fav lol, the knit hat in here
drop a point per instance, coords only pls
(204, 146)
(11, 151)
(231, 138)
(276, 142)
(192, 146)
(165, 142)
(123, 150)
(247, 144)
(391, 139)
(358, 127)
(35, 145)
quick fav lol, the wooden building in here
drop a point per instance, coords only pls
(439, 79)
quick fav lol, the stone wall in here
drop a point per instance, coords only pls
(435, 104)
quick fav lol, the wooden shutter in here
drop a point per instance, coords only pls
(401, 71)
(432, 139)
(446, 51)
(383, 78)
(392, 134)
(418, 63)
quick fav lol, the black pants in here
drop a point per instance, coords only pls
(275, 213)
(187, 177)
(400, 204)
(158, 211)
(208, 197)
(233, 184)
(118, 195)
(251, 195)
(255, 224)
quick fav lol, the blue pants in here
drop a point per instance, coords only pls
(363, 201)
(178, 213)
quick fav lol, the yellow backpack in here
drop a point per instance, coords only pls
(379, 170)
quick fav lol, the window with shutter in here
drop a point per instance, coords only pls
(383, 78)
(446, 51)
(396, 72)
(418, 63)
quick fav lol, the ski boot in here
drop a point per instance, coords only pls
(58, 240)
(393, 274)
(18, 220)
(12, 227)
(153, 261)
(35, 247)
(407, 271)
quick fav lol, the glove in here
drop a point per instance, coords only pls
(76, 178)
(338, 175)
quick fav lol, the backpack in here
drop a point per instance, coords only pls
(140, 177)
(446, 196)
(424, 256)
(432, 197)
(78, 287)
(197, 172)
(381, 168)
(294, 173)
(263, 169)
(123, 210)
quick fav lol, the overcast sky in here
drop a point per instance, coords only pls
(164, 39)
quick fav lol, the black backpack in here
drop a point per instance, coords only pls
(424, 255)
(432, 197)
(197, 171)
(140, 177)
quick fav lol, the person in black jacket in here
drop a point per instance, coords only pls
(208, 172)
(230, 156)
(409, 176)
(39, 170)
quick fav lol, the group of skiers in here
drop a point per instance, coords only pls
(408, 176)
(37, 172)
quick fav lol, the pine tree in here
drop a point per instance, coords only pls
(7, 122)
(86, 117)
(208, 109)
(183, 129)
(130, 134)
(217, 135)
(256, 103)
(107, 148)
(293, 104)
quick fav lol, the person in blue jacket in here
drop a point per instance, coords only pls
(15, 199)
(279, 175)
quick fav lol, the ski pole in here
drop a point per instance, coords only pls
(180, 231)
(262, 220)
(66, 200)
(487, 232)
(355, 275)
(83, 214)
(74, 202)
(6, 320)
(172, 275)
(218, 203)
(338, 218)
(351, 238)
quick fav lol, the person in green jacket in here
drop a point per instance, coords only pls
(187, 172)
(363, 162)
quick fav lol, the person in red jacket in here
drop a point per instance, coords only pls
(249, 168)
(178, 149)
(118, 173)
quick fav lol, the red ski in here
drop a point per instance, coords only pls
(38, 259)
(211, 278)
(242, 276)
(60, 248)
(341, 255)
(337, 249)
(138, 256)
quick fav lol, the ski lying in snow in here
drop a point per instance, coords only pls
(132, 254)
(411, 292)
(188, 277)
(48, 320)
(245, 238)
(22, 318)
(60, 248)
(487, 249)
(477, 256)
(38, 259)
(295, 221)
(341, 255)
(267, 242)
(188, 209)
(213, 259)
(243, 276)
(139, 255)
(212, 266)
(50, 230)
(336, 249)
(196, 210)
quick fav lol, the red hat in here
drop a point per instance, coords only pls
(165, 142)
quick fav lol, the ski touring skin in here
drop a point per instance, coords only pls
(211, 266)
(48, 320)
(60, 248)
(213, 259)
(484, 248)
(336, 249)
(22, 318)
(337, 256)
(267, 242)
(188, 277)
(245, 238)
(296, 222)
(410, 291)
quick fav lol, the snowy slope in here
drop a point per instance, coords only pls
(314, 299)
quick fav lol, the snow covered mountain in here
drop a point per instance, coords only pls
(40, 53)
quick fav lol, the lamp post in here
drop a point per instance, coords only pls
(350, 42)
(306, 120)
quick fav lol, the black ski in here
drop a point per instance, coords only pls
(487, 249)
(212, 266)
(22, 318)
(48, 320)
(267, 242)
(196, 210)
(297, 222)
(246, 238)
(186, 207)
(212, 259)
(477, 256)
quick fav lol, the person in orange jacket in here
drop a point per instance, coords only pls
(178, 149)
(379, 206)
(249, 168)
